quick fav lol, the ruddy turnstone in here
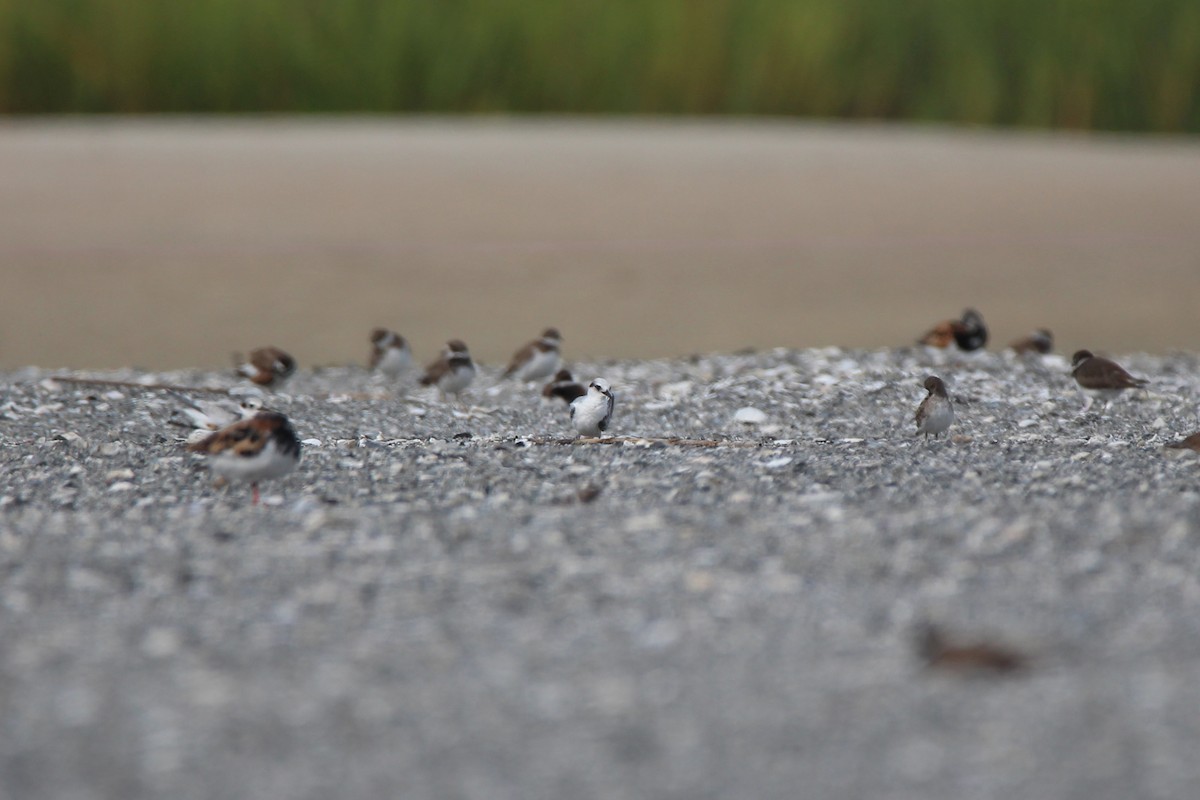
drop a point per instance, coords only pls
(389, 353)
(1040, 341)
(252, 450)
(592, 412)
(564, 387)
(266, 366)
(975, 658)
(968, 333)
(936, 412)
(206, 416)
(452, 372)
(537, 359)
(1101, 378)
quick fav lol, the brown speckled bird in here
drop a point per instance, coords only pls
(266, 366)
(564, 387)
(390, 354)
(969, 658)
(452, 372)
(252, 450)
(1040, 341)
(968, 333)
(537, 359)
(1185, 445)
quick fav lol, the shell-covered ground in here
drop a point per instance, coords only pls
(464, 602)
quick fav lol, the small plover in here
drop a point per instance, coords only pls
(266, 366)
(252, 450)
(1101, 378)
(1040, 341)
(936, 412)
(389, 353)
(452, 372)
(591, 413)
(564, 387)
(537, 359)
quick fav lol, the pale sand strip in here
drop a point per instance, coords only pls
(168, 243)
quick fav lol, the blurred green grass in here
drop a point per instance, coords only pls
(1090, 64)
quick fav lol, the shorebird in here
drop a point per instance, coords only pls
(452, 372)
(252, 450)
(591, 413)
(1040, 341)
(1101, 378)
(969, 658)
(968, 333)
(537, 359)
(206, 416)
(936, 412)
(564, 387)
(1186, 446)
(266, 366)
(389, 353)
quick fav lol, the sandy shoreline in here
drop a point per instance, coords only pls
(171, 243)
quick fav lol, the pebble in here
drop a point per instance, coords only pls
(759, 590)
(748, 415)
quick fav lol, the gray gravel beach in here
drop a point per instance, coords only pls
(462, 603)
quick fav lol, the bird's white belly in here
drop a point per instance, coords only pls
(589, 414)
(542, 365)
(266, 464)
(938, 420)
(394, 361)
(456, 380)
